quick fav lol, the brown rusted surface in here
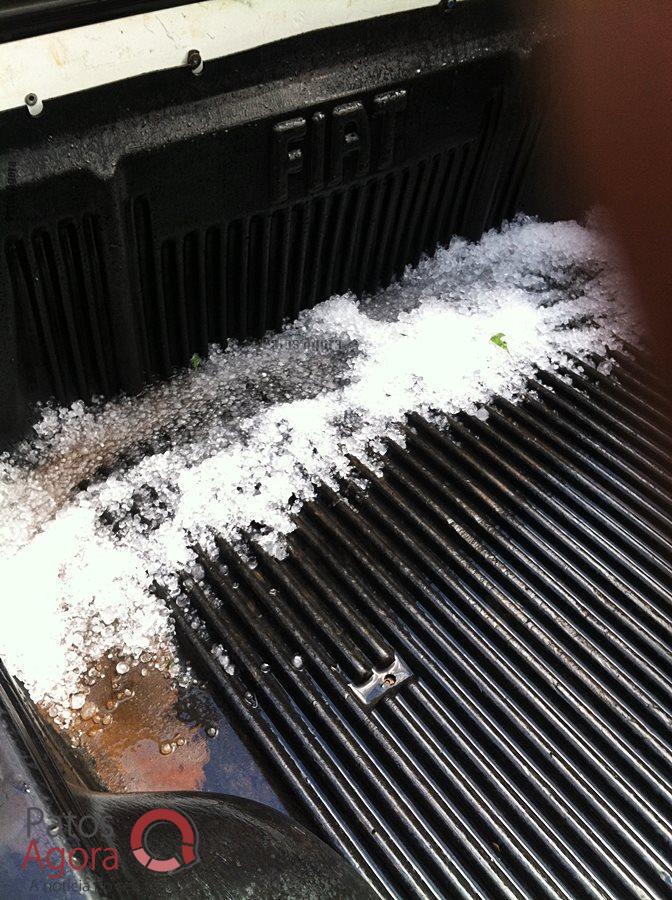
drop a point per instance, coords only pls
(130, 729)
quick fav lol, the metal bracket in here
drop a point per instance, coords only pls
(381, 682)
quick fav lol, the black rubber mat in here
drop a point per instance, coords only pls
(462, 670)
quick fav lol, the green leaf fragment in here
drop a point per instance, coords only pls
(498, 340)
(195, 361)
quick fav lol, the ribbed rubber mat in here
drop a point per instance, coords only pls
(462, 670)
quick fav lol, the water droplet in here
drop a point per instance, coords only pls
(122, 668)
(77, 701)
(166, 748)
(265, 667)
(212, 731)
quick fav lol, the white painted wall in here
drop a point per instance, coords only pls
(55, 64)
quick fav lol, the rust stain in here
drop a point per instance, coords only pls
(125, 722)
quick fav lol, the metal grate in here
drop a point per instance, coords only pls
(520, 570)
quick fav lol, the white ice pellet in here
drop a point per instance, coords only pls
(240, 443)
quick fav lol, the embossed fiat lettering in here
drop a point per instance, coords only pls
(315, 149)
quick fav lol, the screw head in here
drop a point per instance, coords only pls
(194, 59)
(31, 99)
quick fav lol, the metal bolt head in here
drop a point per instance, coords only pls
(195, 61)
(33, 104)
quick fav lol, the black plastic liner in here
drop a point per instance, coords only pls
(463, 669)
(461, 673)
(142, 221)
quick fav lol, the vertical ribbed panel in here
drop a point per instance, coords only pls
(509, 186)
(61, 303)
(242, 278)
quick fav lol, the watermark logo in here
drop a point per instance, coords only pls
(63, 860)
(59, 861)
(188, 853)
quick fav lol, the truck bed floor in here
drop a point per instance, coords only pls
(462, 669)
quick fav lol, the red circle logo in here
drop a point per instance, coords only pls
(188, 854)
